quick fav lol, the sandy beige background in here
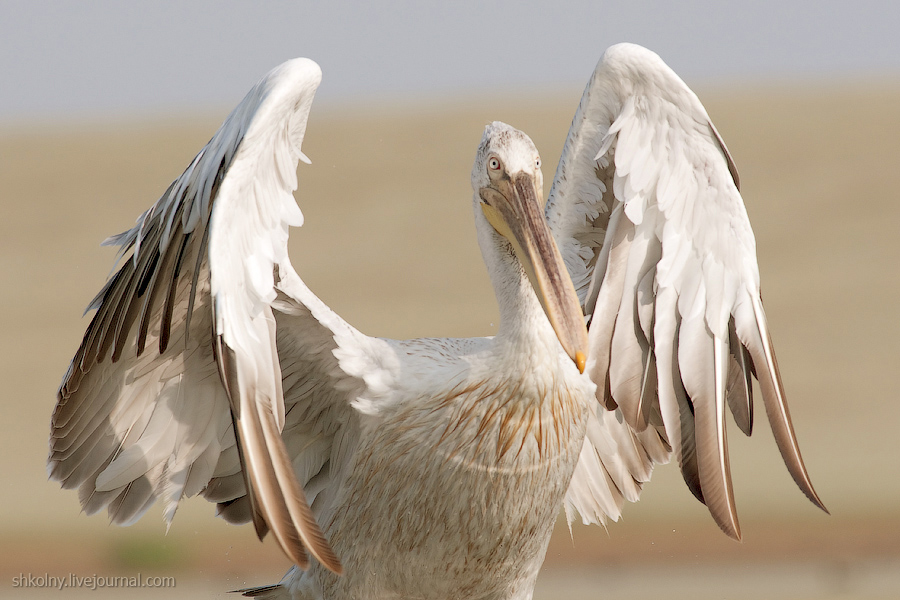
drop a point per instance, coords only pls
(389, 244)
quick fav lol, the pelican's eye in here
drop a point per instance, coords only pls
(537, 163)
(494, 163)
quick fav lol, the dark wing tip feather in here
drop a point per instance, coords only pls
(739, 389)
(783, 427)
(760, 347)
(265, 590)
(276, 497)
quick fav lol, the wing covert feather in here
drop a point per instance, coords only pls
(647, 214)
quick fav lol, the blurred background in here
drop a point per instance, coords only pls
(102, 104)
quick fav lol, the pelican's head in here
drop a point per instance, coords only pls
(508, 184)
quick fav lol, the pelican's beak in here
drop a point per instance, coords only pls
(514, 208)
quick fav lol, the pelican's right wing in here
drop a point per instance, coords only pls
(177, 388)
(646, 211)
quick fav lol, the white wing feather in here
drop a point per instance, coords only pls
(183, 350)
(647, 214)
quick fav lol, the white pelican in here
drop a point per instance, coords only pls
(432, 468)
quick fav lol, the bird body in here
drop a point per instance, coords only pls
(630, 318)
(457, 479)
(462, 456)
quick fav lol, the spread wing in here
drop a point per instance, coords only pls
(201, 344)
(647, 214)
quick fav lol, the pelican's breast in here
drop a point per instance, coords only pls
(455, 492)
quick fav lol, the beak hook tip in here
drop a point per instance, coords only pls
(580, 360)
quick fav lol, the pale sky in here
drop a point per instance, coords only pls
(74, 59)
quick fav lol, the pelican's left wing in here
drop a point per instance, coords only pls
(177, 386)
(647, 215)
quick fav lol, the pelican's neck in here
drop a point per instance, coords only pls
(524, 329)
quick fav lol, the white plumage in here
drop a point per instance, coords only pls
(432, 468)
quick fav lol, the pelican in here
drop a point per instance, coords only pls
(630, 320)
